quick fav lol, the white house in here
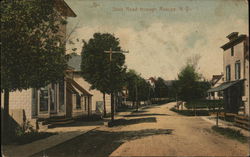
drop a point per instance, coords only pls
(97, 96)
(48, 101)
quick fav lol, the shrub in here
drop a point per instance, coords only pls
(230, 133)
(191, 112)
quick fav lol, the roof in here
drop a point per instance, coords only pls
(75, 62)
(233, 42)
(77, 86)
(169, 82)
(64, 9)
(225, 86)
(216, 78)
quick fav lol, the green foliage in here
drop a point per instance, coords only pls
(96, 67)
(204, 104)
(189, 85)
(231, 133)
(32, 51)
(191, 112)
(135, 83)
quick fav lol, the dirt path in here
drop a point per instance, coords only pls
(153, 131)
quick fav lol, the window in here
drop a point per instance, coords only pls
(237, 70)
(228, 73)
(78, 101)
(232, 51)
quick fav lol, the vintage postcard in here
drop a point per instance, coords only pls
(100, 78)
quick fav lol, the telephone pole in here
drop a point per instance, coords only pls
(110, 52)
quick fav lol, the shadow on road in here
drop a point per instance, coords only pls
(146, 114)
(120, 122)
(98, 143)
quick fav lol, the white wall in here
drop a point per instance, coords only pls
(19, 101)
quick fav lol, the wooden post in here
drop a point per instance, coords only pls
(217, 118)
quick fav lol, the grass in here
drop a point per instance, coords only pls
(191, 112)
(31, 137)
(231, 133)
(203, 104)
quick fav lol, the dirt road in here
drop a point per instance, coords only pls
(153, 131)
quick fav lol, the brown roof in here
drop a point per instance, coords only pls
(215, 79)
(64, 9)
(233, 42)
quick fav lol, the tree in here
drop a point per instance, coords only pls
(103, 74)
(161, 89)
(189, 85)
(32, 51)
(138, 87)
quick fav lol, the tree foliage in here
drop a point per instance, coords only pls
(96, 67)
(138, 88)
(32, 51)
(189, 85)
(161, 89)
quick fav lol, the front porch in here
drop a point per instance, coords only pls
(64, 99)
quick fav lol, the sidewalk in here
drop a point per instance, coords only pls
(64, 134)
(222, 123)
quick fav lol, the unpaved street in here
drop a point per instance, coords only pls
(153, 131)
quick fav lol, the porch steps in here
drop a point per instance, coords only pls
(54, 122)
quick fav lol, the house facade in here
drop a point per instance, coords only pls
(48, 101)
(97, 96)
(236, 79)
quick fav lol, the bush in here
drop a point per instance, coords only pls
(210, 104)
(191, 112)
(31, 136)
(230, 133)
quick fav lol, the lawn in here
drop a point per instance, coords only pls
(231, 133)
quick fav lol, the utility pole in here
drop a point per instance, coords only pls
(110, 52)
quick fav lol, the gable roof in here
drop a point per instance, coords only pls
(75, 62)
(215, 79)
(64, 9)
(73, 84)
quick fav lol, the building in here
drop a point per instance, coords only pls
(236, 69)
(97, 104)
(31, 104)
(216, 81)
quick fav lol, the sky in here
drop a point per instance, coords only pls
(161, 35)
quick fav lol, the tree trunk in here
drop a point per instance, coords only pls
(104, 105)
(6, 111)
(112, 107)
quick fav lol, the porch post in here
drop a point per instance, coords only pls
(49, 97)
(38, 102)
(65, 96)
(58, 99)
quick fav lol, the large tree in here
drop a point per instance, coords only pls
(189, 85)
(102, 73)
(32, 51)
(161, 89)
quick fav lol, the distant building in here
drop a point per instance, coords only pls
(236, 69)
(216, 81)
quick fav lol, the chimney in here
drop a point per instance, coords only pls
(233, 35)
